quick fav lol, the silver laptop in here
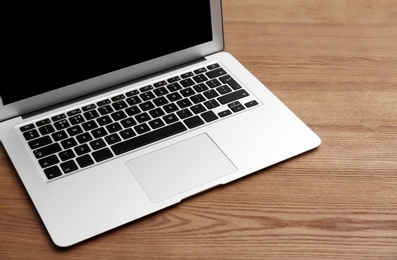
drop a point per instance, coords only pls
(112, 113)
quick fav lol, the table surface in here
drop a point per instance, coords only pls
(334, 63)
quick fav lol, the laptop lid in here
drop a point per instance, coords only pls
(60, 52)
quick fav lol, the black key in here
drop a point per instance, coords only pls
(68, 143)
(115, 127)
(31, 134)
(159, 84)
(59, 135)
(91, 114)
(96, 144)
(211, 104)
(213, 83)
(225, 113)
(198, 109)
(251, 103)
(142, 128)
(200, 78)
(128, 122)
(104, 120)
(84, 161)
(156, 123)
(197, 98)
(170, 108)
(101, 155)
(230, 81)
(215, 73)
(89, 107)
(47, 129)
(99, 132)
(161, 91)
(132, 93)
(224, 89)
(76, 119)
(213, 66)
(69, 166)
(127, 133)
(209, 116)
(43, 122)
(142, 117)
(58, 117)
(118, 97)
(148, 138)
(119, 105)
(173, 79)
(111, 139)
(160, 101)
(147, 96)
(47, 150)
(200, 87)
(184, 103)
(48, 161)
(84, 137)
(103, 102)
(27, 127)
(200, 70)
(184, 113)
(187, 82)
(89, 125)
(66, 155)
(74, 130)
(133, 110)
(236, 106)
(61, 124)
(187, 75)
(133, 100)
(39, 142)
(82, 149)
(174, 96)
(156, 112)
(211, 94)
(52, 172)
(146, 106)
(105, 110)
(73, 112)
(146, 88)
(194, 122)
(174, 87)
(171, 118)
(231, 97)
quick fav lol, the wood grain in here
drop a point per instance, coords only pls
(334, 63)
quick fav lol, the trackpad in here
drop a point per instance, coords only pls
(180, 167)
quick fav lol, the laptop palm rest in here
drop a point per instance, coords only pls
(180, 167)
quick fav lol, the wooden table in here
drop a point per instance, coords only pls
(334, 63)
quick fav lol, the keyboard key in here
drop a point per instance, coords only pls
(102, 155)
(85, 161)
(82, 149)
(48, 161)
(47, 150)
(224, 113)
(228, 98)
(194, 122)
(209, 116)
(27, 127)
(52, 172)
(156, 135)
(251, 103)
(69, 166)
(39, 142)
(31, 134)
(215, 73)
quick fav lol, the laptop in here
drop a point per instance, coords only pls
(112, 113)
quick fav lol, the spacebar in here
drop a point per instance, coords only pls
(148, 138)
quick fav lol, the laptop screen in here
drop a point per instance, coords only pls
(53, 46)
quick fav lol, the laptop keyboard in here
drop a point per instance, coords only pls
(88, 135)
